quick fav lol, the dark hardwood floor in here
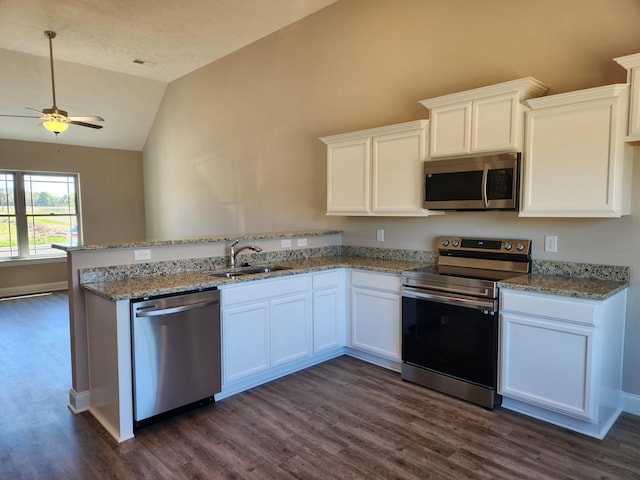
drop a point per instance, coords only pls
(344, 419)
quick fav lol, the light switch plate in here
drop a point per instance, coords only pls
(380, 235)
(302, 242)
(285, 243)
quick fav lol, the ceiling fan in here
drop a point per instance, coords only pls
(54, 119)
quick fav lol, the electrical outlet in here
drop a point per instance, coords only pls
(380, 235)
(285, 243)
(302, 242)
(139, 255)
(550, 243)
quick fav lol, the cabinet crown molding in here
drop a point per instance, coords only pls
(523, 88)
(372, 132)
(629, 61)
(589, 94)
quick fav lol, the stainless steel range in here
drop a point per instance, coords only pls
(450, 316)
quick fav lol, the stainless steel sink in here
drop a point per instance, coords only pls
(247, 271)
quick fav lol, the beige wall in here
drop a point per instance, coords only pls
(234, 147)
(111, 192)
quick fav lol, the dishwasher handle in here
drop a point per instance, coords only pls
(151, 310)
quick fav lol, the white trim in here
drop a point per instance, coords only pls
(630, 403)
(35, 260)
(35, 288)
(79, 402)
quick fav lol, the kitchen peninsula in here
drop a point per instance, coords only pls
(323, 270)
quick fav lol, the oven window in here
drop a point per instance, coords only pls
(458, 341)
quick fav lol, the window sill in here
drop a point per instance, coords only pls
(14, 262)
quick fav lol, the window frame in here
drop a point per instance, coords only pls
(22, 215)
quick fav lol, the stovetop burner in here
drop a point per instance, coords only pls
(472, 266)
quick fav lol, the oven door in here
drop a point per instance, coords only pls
(452, 334)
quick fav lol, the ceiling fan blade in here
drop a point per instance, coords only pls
(84, 124)
(20, 116)
(86, 119)
(33, 109)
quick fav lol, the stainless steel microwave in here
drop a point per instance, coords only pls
(473, 183)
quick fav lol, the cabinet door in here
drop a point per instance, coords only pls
(375, 322)
(548, 364)
(328, 319)
(245, 333)
(291, 325)
(495, 124)
(572, 164)
(349, 177)
(397, 166)
(450, 130)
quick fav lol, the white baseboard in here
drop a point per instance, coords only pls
(31, 289)
(79, 402)
(631, 403)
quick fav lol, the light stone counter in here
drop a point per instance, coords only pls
(151, 285)
(578, 280)
(586, 288)
(200, 240)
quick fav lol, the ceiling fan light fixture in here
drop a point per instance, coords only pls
(55, 126)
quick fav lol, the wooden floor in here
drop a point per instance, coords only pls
(340, 420)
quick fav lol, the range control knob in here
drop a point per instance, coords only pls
(507, 246)
(445, 243)
(520, 247)
(455, 243)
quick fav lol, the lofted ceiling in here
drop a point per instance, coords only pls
(94, 52)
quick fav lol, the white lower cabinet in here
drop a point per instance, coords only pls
(375, 313)
(561, 358)
(273, 327)
(264, 324)
(328, 310)
(246, 340)
(291, 325)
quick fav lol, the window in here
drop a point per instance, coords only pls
(36, 210)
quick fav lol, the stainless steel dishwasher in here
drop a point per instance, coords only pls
(176, 354)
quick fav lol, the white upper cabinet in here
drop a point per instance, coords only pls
(576, 161)
(487, 119)
(632, 64)
(377, 172)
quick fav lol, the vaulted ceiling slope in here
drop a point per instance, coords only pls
(94, 52)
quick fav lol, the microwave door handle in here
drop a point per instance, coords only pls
(485, 176)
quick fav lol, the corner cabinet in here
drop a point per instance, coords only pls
(561, 358)
(576, 161)
(487, 119)
(377, 172)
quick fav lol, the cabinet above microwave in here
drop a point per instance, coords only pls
(483, 120)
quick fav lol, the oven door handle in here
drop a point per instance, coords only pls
(449, 299)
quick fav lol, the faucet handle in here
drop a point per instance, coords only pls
(234, 243)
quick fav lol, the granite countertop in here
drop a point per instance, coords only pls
(192, 241)
(586, 281)
(140, 287)
(566, 286)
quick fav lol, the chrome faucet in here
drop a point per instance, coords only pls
(233, 253)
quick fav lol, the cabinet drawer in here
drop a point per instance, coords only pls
(264, 289)
(562, 308)
(331, 278)
(378, 281)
